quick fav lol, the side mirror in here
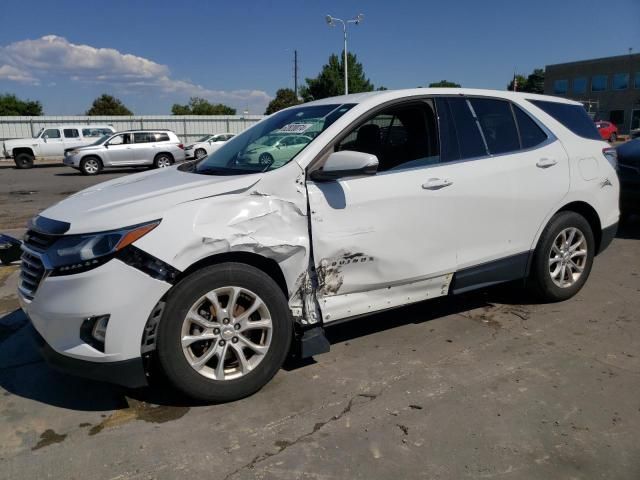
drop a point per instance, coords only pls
(44, 137)
(346, 164)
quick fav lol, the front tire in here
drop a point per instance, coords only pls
(225, 332)
(24, 160)
(563, 258)
(90, 166)
(199, 153)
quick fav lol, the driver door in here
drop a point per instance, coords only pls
(51, 143)
(388, 239)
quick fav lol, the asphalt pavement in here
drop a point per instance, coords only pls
(485, 385)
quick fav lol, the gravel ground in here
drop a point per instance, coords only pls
(484, 385)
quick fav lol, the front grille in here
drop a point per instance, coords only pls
(31, 273)
(33, 270)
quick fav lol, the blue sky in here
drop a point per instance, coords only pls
(152, 54)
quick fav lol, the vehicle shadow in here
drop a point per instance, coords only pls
(24, 373)
(77, 173)
(630, 229)
(46, 165)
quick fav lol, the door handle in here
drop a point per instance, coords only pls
(436, 183)
(546, 162)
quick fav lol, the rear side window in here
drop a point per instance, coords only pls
(574, 117)
(470, 140)
(162, 137)
(144, 137)
(449, 148)
(531, 134)
(498, 125)
(71, 133)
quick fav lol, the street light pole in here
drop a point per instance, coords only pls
(331, 21)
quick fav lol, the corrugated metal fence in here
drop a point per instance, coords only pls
(188, 127)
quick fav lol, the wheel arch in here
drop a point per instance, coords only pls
(265, 264)
(93, 155)
(591, 216)
(18, 150)
(173, 159)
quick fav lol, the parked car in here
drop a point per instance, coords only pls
(206, 145)
(629, 174)
(132, 148)
(50, 143)
(274, 149)
(217, 267)
(608, 131)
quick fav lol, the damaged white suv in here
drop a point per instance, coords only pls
(219, 266)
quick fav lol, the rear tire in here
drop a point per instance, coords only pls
(24, 160)
(90, 166)
(563, 257)
(163, 160)
(194, 367)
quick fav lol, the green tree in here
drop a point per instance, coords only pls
(330, 80)
(520, 81)
(108, 105)
(285, 97)
(444, 84)
(10, 105)
(200, 106)
(534, 83)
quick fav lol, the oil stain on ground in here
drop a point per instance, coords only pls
(140, 411)
(49, 437)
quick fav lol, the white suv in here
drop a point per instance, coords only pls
(207, 145)
(51, 142)
(218, 266)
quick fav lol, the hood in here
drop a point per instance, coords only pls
(141, 197)
(86, 148)
(19, 141)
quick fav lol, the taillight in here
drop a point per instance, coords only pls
(181, 146)
(612, 156)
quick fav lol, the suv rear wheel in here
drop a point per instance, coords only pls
(225, 332)
(564, 257)
(90, 165)
(24, 160)
(163, 160)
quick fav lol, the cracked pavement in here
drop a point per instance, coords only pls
(483, 385)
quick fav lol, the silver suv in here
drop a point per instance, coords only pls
(131, 148)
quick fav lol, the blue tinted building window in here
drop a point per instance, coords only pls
(580, 85)
(599, 83)
(560, 87)
(621, 81)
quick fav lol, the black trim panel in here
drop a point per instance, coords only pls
(491, 273)
(128, 373)
(608, 234)
(48, 225)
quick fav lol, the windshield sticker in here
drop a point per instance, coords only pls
(296, 128)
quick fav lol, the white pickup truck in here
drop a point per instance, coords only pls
(51, 142)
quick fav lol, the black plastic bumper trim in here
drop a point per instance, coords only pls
(608, 234)
(490, 273)
(128, 373)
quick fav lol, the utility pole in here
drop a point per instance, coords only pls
(295, 72)
(331, 21)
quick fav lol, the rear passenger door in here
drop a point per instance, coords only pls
(144, 147)
(72, 138)
(504, 180)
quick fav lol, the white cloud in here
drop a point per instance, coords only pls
(8, 72)
(28, 61)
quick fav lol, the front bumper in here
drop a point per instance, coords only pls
(129, 373)
(61, 304)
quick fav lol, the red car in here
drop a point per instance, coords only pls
(608, 131)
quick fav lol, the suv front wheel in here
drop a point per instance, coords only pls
(90, 166)
(225, 332)
(24, 160)
(564, 257)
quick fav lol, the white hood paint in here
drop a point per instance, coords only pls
(139, 198)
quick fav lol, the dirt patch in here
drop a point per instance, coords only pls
(140, 411)
(49, 437)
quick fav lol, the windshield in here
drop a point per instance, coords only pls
(270, 144)
(100, 141)
(203, 139)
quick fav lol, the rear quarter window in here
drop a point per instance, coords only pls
(162, 137)
(574, 117)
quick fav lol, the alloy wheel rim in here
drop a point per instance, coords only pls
(200, 153)
(91, 166)
(568, 257)
(163, 162)
(226, 333)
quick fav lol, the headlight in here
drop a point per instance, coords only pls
(77, 253)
